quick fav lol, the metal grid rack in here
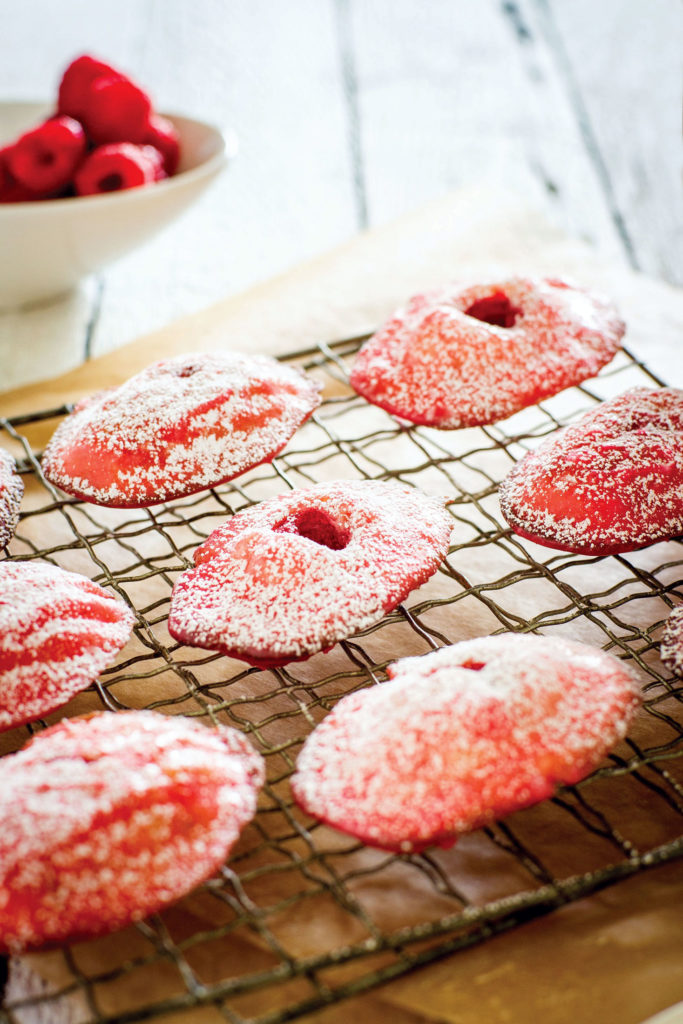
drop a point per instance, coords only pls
(301, 916)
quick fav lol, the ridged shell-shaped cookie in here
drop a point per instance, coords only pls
(58, 631)
(611, 482)
(672, 642)
(108, 818)
(11, 492)
(180, 426)
(462, 736)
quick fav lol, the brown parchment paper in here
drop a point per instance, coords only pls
(612, 957)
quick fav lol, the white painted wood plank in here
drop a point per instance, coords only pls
(270, 72)
(40, 37)
(454, 94)
(624, 61)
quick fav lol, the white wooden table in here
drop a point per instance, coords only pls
(350, 112)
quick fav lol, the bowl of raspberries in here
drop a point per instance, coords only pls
(88, 178)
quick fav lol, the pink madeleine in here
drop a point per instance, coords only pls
(180, 426)
(462, 736)
(611, 482)
(108, 818)
(671, 649)
(464, 356)
(58, 630)
(295, 574)
(11, 492)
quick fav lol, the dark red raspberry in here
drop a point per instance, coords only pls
(117, 110)
(10, 191)
(76, 81)
(44, 160)
(117, 166)
(6, 178)
(163, 135)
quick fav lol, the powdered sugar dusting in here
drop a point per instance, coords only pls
(108, 818)
(611, 482)
(180, 426)
(265, 590)
(462, 736)
(58, 630)
(434, 364)
(671, 649)
(11, 492)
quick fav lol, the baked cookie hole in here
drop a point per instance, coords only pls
(495, 309)
(316, 525)
(188, 370)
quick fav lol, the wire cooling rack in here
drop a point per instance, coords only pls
(301, 916)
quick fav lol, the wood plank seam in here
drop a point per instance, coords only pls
(93, 319)
(349, 75)
(587, 133)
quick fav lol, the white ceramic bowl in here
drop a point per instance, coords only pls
(47, 246)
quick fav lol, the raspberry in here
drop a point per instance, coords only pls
(44, 159)
(116, 110)
(117, 166)
(5, 177)
(162, 134)
(101, 110)
(10, 190)
(76, 81)
(156, 157)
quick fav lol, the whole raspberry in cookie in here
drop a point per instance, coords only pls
(466, 356)
(180, 426)
(611, 482)
(295, 574)
(11, 493)
(58, 630)
(108, 818)
(462, 736)
(671, 649)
